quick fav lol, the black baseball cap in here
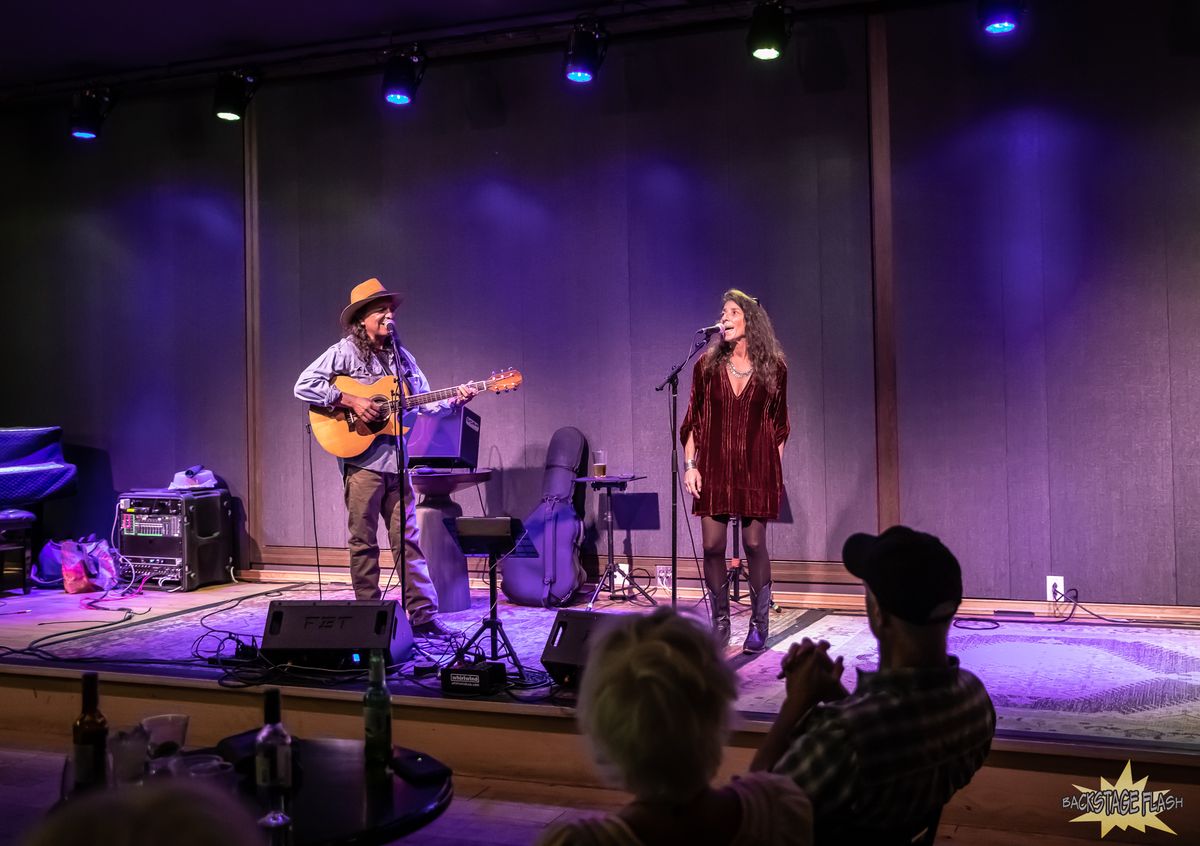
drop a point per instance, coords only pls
(912, 574)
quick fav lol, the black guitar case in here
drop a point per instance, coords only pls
(554, 528)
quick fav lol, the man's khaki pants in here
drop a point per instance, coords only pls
(368, 495)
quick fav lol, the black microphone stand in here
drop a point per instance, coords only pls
(401, 451)
(699, 342)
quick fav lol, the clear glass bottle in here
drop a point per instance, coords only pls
(377, 713)
(90, 737)
(273, 762)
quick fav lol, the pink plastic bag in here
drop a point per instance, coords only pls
(88, 566)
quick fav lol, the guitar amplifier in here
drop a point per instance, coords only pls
(448, 441)
(176, 539)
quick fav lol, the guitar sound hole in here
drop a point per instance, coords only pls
(362, 427)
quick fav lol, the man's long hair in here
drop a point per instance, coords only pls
(357, 333)
(762, 346)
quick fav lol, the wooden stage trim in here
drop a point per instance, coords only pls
(1019, 789)
(803, 584)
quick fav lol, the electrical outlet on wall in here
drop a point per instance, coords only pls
(1053, 584)
(662, 575)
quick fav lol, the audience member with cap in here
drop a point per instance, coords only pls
(915, 730)
(655, 704)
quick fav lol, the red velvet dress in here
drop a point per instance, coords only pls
(737, 443)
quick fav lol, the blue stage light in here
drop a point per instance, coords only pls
(586, 46)
(88, 110)
(402, 76)
(1000, 17)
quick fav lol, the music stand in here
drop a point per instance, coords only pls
(609, 576)
(494, 537)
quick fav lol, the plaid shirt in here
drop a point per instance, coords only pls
(894, 750)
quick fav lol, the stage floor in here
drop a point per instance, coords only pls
(1094, 683)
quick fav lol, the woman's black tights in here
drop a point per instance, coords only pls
(715, 532)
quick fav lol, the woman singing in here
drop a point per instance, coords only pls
(733, 437)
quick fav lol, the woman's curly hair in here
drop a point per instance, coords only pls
(763, 347)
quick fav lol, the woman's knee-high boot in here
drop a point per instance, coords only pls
(760, 610)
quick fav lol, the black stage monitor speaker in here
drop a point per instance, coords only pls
(176, 539)
(567, 645)
(451, 440)
(334, 634)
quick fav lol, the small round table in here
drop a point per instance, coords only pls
(337, 799)
(609, 577)
(447, 564)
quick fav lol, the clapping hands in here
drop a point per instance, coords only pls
(810, 674)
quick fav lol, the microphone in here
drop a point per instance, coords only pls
(710, 330)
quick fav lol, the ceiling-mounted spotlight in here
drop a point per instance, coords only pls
(402, 74)
(234, 90)
(89, 108)
(1000, 17)
(768, 33)
(586, 46)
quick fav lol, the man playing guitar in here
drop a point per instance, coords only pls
(372, 480)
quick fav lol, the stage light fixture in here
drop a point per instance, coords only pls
(402, 75)
(233, 93)
(768, 33)
(1000, 17)
(89, 108)
(586, 46)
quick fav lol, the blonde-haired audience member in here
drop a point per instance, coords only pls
(174, 812)
(655, 706)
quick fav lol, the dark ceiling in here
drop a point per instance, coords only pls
(69, 40)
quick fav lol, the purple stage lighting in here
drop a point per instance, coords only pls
(586, 46)
(1000, 17)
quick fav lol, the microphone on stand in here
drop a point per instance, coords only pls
(710, 330)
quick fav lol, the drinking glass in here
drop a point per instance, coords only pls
(128, 750)
(181, 765)
(167, 734)
(600, 463)
(220, 774)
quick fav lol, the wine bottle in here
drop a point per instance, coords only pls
(90, 736)
(377, 713)
(273, 761)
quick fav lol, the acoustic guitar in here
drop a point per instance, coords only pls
(343, 433)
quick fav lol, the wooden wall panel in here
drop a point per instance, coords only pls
(580, 234)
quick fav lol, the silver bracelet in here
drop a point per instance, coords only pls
(689, 464)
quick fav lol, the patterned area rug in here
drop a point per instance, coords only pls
(1068, 681)
(180, 637)
(1065, 681)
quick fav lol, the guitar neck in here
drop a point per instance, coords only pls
(415, 400)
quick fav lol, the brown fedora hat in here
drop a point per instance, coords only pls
(363, 295)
